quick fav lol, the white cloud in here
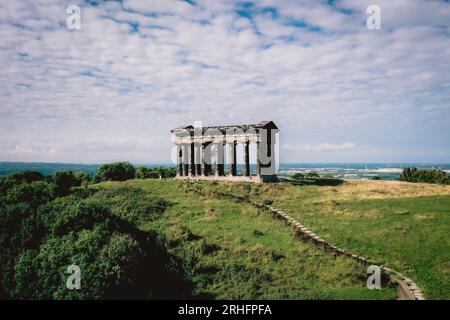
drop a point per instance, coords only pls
(322, 147)
(132, 75)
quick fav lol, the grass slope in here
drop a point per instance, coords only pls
(402, 225)
(233, 251)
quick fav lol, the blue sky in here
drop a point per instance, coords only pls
(113, 90)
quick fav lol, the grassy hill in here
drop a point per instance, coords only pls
(233, 251)
(177, 239)
(402, 225)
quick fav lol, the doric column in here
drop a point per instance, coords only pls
(267, 152)
(179, 161)
(219, 159)
(185, 159)
(198, 159)
(206, 165)
(192, 159)
(247, 158)
(258, 157)
(232, 158)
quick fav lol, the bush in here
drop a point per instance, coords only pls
(145, 173)
(32, 194)
(424, 175)
(312, 175)
(155, 173)
(297, 176)
(117, 171)
(64, 181)
(19, 178)
(19, 227)
(83, 178)
(26, 177)
(42, 234)
(116, 259)
(103, 256)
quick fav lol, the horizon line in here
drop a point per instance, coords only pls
(169, 163)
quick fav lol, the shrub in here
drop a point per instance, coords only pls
(312, 175)
(64, 181)
(424, 175)
(102, 255)
(19, 178)
(117, 171)
(297, 176)
(33, 194)
(155, 173)
(41, 235)
(145, 173)
(82, 178)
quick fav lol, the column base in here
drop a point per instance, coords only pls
(253, 179)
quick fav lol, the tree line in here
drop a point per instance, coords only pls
(121, 171)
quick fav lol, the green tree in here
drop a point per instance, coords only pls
(64, 181)
(424, 175)
(82, 178)
(155, 173)
(141, 172)
(169, 172)
(19, 178)
(117, 171)
(33, 194)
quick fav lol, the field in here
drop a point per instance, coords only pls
(232, 250)
(402, 225)
(170, 239)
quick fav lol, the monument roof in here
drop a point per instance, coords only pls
(262, 125)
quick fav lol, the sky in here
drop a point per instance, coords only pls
(113, 90)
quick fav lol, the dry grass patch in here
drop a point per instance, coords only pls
(425, 217)
(363, 189)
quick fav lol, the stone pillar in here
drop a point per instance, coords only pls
(185, 159)
(192, 159)
(179, 161)
(258, 157)
(267, 152)
(206, 165)
(247, 158)
(198, 159)
(232, 158)
(219, 159)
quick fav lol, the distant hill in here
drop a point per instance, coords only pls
(47, 168)
(44, 167)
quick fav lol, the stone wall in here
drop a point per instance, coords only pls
(407, 289)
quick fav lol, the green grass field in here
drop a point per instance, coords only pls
(402, 225)
(231, 250)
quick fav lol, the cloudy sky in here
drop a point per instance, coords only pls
(113, 90)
